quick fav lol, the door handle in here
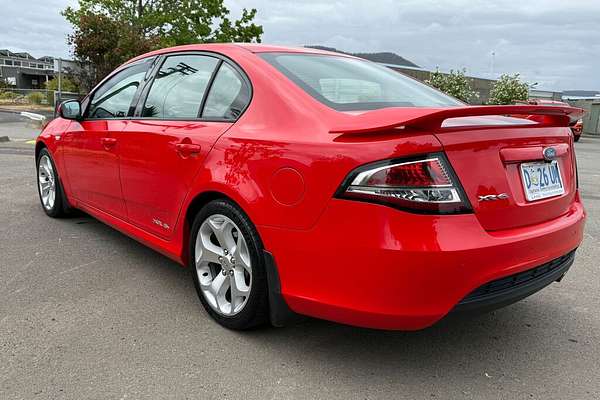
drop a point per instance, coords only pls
(187, 149)
(108, 143)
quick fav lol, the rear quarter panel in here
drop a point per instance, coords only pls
(287, 183)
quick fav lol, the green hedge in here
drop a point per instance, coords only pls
(36, 98)
(8, 95)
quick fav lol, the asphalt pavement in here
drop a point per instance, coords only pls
(17, 127)
(88, 313)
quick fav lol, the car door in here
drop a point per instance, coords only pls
(90, 146)
(192, 100)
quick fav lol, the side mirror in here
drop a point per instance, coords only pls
(70, 109)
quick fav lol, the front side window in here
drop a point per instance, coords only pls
(113, 99)
(349, 84)
(179, 87)
(229, 95)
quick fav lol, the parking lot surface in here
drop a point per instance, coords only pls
(86, 312)
(18, 127)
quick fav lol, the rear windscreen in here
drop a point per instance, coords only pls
(349, 84)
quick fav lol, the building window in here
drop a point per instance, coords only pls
(17, 63)
(8, 62)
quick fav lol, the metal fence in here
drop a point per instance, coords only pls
(591, 119)
(36, 96)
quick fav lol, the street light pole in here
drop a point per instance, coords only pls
(531, 87)
(60, 80)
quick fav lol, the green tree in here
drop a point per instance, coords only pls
(67, 84)
(104, 43)
(455, 84)
(508, 89)
(107, 33)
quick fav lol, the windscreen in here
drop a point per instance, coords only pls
(349, 84)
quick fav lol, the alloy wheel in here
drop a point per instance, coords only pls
(46, 182)
(223, 265)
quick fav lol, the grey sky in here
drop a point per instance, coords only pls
(553, 42)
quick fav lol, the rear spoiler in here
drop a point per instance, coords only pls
(431, 119)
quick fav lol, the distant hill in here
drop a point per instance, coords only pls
(384, 57)
(581, 93)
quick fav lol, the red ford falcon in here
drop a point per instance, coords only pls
(297, 181)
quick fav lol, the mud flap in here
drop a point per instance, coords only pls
(279, 312)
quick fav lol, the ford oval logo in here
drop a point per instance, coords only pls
(549, 153)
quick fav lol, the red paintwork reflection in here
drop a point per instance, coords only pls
(155, 174)
(92, 165)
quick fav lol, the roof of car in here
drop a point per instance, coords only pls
(251, 47)
(267, 48)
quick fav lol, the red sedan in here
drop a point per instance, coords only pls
(577, 129)
(298, 181)
(576, 123)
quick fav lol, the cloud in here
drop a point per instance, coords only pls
(553, 42)
(35, 26)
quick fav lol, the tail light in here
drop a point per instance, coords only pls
(425, 185)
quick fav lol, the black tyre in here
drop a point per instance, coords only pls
(576, 138)
(49, 186)
(227, 265)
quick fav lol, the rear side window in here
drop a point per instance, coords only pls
(179, 87)
(113, 99)
(349, 84)
(229, 94)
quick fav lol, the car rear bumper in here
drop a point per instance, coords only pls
(373, 266)
(507, 290)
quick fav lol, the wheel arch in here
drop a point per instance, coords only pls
(38, 148)
(192, 208)
(279, 312)
(200, 200)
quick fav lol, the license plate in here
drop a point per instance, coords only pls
(541, 180)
